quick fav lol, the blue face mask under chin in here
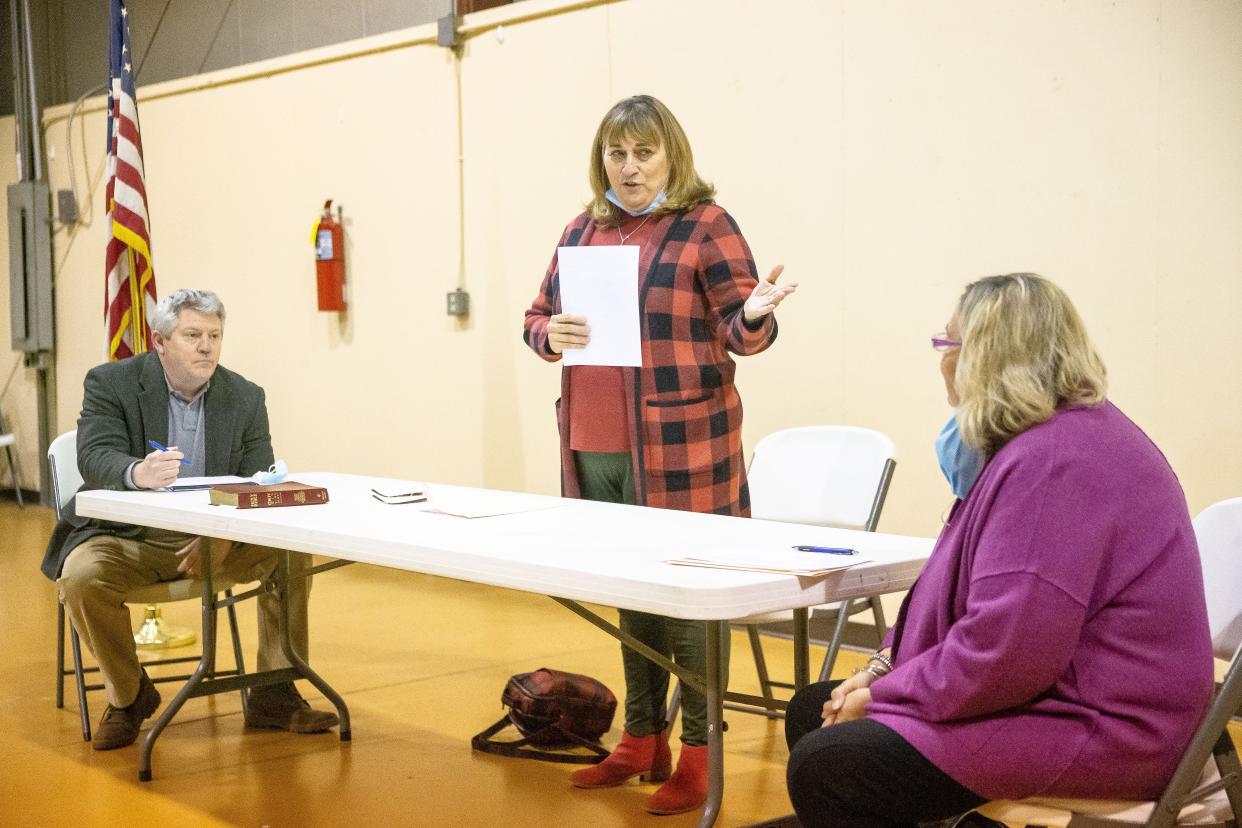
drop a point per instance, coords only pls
(655, 203)
(960, 463)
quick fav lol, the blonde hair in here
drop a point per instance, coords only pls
(643, 118)
(1025, 352)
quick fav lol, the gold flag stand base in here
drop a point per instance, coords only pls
(157, 634)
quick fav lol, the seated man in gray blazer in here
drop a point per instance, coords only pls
(217, 420)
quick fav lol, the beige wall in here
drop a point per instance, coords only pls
(885, 152)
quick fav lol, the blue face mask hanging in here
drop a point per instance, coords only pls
(275, 474)
(960, 463)
(655, 203)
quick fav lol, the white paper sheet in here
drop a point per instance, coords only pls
(601, 283)
(190, 484)
(780, 561)
(466, 503)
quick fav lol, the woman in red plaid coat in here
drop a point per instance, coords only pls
(668, 434)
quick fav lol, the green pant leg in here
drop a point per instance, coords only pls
(689, 644)
(605, 476)
(646, 683)
(609, 477)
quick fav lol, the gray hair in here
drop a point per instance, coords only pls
(170, 307)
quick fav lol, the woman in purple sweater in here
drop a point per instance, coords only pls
(1057, 641)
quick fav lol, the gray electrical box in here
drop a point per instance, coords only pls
(446, 31)
(458, 303)
(30, 266)
(66, 206)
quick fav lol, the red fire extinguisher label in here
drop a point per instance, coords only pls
(323, 245)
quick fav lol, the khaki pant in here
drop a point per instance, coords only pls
(100, 572)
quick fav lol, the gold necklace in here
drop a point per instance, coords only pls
(632, 232)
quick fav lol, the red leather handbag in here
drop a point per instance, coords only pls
(552, 710)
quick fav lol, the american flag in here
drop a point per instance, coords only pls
(130, 294)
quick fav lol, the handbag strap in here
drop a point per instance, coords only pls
(521, 748)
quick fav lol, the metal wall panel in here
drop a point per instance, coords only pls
(30, 267)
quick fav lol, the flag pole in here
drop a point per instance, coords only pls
(128, 256)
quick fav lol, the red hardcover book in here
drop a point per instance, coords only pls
(254, 496)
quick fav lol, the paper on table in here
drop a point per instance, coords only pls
(190, 484)
(481, 504)
(601, 283)
(780, 561)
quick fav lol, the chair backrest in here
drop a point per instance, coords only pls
(6, 436)
(1218, 528)
(62, 460)
(822, 475)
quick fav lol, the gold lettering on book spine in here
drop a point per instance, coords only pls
(273, 498)
(254, 500)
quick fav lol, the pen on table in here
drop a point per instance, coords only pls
(828, 550)
(158, 447)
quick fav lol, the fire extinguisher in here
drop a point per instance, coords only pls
(330, 259)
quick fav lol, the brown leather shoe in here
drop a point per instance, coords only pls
(282, 707)
(119, 725)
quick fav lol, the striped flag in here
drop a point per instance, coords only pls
(130, 293)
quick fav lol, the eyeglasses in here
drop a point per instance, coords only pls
(940, 342)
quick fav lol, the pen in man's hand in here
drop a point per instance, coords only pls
(158, 447)
(828, 550)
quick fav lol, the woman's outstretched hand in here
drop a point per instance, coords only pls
(767, 295)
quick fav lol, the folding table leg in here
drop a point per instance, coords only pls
(299, 664)
(761, 663)
(60, 655)
(838, 634)
(716, 631)
(802, 647)
(80, 680)
(239, 659)
(674, 707)
(206, 666)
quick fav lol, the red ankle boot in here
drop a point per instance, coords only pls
(647, 756)
(687, 789)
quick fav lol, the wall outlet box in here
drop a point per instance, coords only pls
(446, 31)
(458, 303)
(66, 207)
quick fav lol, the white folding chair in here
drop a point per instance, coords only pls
(826, 476)
(6, 442)
(62, 459)
(1206, 788)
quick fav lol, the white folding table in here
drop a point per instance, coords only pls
(572, 550)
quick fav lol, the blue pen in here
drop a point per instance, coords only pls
(158, 447)
(828, 550)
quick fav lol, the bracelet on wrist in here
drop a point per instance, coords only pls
(880, 662)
